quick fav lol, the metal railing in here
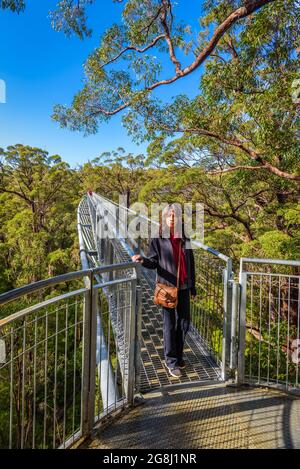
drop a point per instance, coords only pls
(269, 321)
(210, 311)
(70, 345)
(51, 359)
(99, 250)
(250, 325)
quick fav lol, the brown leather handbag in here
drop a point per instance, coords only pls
(166, 295)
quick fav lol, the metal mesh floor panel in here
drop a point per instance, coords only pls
(207, 416)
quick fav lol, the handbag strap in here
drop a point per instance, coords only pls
(180, 248)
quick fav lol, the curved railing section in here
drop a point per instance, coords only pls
(51, 390)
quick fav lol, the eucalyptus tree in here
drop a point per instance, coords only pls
(239, 132)
(244, 114)
(37, 216)
(116, 173)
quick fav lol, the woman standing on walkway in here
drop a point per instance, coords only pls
(163, 255)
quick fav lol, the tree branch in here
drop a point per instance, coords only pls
(166, 6)
(235, 168)
(108, 113)
(140, 51)
(254, 155)
(231, 48)
(235, 16)
(242, 12)
(16, 193)
(148, 26)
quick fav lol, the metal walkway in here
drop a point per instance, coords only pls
(88, 356)
(202, 409)
(205, 417)
(200, 364)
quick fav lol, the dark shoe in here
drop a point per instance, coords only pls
(174, 371)
(181, 364)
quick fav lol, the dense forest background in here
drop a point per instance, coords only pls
(246, 213)
(234, 146)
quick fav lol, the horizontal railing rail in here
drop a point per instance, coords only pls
(51, 361)
(269, 323)
(36, 286)
(254, 260)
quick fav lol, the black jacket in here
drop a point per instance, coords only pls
(160, 257)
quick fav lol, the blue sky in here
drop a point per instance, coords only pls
(42, 67)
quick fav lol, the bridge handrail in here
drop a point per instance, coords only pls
(41, 284)
(64, 330)
(35, 286)
(245, 260)
(194, 243)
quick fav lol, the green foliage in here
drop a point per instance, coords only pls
(274, 244)
(116, 174)
(269, 358)
(249, 74)
(38, 222)
(70, 17)
(238, 148)
(13, 5)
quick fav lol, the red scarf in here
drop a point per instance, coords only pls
(182, 270)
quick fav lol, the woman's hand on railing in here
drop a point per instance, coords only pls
(137, 258)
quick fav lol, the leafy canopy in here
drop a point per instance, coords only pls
(244, 114)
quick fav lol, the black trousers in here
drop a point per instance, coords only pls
(176, 322)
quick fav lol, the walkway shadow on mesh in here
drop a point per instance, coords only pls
(206, 417)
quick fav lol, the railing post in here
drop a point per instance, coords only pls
(227, 305)
(89, 359)
(110, 258)
(131, 343)
(138, 331)
(234, 318)
(242, 329)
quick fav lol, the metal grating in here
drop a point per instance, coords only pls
(205, 417)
